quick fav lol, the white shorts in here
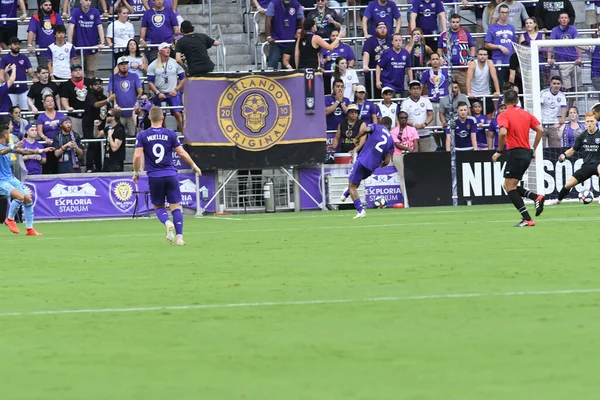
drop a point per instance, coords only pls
(19, 100)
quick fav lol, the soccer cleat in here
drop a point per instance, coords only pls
(539, 205)
(180, 241)
(12, 225)
(362, 214)
(342, 197)
(32, 232)
(170, 232)
(525, 223)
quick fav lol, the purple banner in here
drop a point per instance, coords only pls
(253, 112)
(98, 196)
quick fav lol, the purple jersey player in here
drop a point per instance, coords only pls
(156, 145)
(376, 152)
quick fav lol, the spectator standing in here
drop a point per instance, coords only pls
(159, 24)
(120, 32)
(488, 14)
(336, 106)
(367, 112)
(5, 102)
(127, 88)
(420, 114)
(595, 67)
(140, 112)
(194, 46)
(114, 145)
(381, 11)
(388, 108)
(462, 50)
(137, 61)
(480, 76)
(372, 49)
(34, 162)
(517, 14)
(98, 104)
(75, 95)
(464, 130)
(406, 140)
(95, 4)
(18, 91)
(48, 128)
(348, 130)
(424, 14)
(309, 46)
(41, 30)
(17, 124)
(494, 129)
(592, 16)
(261, 9)
(136, 6)
(547, 12)
(60, 55)
(570, 73)
(8, 28)
(328, 57)
(325, 19)
(288, 58)
(283, 19)
(393, 66)
(482, 121)
(500, 38)
(346, 75)
(532, 33)
(569, 131)
(554, 110)
(85, 30)
(419, 52)
(166, 79)
(445, 104)
(68, 148)
(37, 91)
(434, 83)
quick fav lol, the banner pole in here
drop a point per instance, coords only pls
(199, 209)
(285, 171)
(220, 188)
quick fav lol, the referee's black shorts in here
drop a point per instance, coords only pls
(586, 171)
(517, 162)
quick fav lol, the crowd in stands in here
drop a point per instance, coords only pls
(62, 101)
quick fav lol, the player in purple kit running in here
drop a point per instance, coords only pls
(156, 145)
(376, 152)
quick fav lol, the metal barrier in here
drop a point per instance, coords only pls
(221, 52)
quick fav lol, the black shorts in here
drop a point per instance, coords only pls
(517, 162)
(7, 33)
(586, 172)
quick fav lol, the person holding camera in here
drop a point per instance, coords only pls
(68, 148)
(114, 147)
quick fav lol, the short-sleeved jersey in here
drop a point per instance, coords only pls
(589, 143)
(517, 122)
(5, 169)
(462, 132)
(552, 104)
(158, 145)
(481, 130)
(379, 143)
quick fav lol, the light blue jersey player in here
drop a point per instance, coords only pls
(376, 152)
(157, 145)
(11, 187)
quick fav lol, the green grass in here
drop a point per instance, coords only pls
(499, 344)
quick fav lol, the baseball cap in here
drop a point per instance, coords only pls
(29, 126)
(163, 45)
(352, 107)
(187, 27)
(381, 23)
(75, 66)
(122, 60)
(387, 89)
(414, 83)
(360, 88)
(96, 80)
(62, 121)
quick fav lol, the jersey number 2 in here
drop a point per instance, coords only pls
(379, 145)
(159, 152)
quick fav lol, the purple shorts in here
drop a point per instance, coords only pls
(359, 173)
(164, 187)
(171, 101)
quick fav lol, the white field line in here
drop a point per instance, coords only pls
(302, 302)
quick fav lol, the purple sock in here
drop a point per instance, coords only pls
(178, 221)
(358, 205)
(162, 215)
(347, 193)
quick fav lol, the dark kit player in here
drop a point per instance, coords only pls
(376, 152)
(514, 126)
(589, 143)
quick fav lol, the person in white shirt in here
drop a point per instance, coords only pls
(60, 55)
(347, 75)
(387, 108)
(121, 31)
(420, 114)
(554, 111)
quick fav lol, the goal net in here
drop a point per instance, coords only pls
(547, 175)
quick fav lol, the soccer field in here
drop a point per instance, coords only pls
(435, 303)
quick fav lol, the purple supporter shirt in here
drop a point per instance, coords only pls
(565, 54)
(343, 50)
(366, 111)
(34, 167)
(125, 89)
(335, 118)
(159, 25)
(374, 46)
(50, 127)
(44, 31)
(462, 132)
(158, 145)
(284, 22)
(86, 28)
(496, 129)
(427, 15)
(393, 68)
(596, 61)
(481, 132)
(376, 13)
(379, 143)
(437, 83)
(8, 9)
(461, 45)
(23, 64)
(5, 102)
(502, 35)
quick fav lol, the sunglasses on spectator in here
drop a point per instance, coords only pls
(110, 115)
